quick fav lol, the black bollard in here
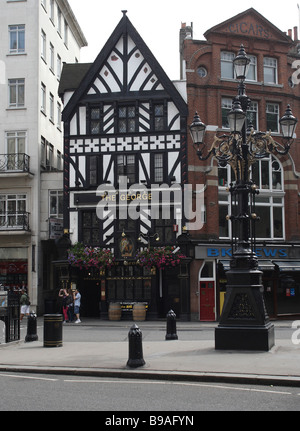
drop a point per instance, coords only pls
(31, 328)
(135, 348)
(171, 326)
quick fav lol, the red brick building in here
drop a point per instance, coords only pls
(272, 84)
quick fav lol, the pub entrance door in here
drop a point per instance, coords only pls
(207, 301)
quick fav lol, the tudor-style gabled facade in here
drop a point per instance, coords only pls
(124, 132)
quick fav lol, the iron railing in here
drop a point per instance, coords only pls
(14, 220)
(14, 162)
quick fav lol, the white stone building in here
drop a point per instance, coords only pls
(38, 36)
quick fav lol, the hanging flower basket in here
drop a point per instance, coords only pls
(159, 257)
(82, 256)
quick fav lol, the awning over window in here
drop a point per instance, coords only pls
(263, 265)
(284, 266)
(226, 264)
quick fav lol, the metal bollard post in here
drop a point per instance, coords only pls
(31, 328)
(135, 348)
(171, 326)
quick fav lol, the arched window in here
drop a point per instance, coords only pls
(267, 174)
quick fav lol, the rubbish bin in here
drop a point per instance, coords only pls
(53, 324)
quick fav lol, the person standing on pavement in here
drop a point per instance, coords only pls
(64, 294)
(70, 302)
(24, 304)
(77, 303)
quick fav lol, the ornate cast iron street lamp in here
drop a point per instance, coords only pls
(244, 323)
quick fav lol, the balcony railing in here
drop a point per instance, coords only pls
(14, 162)
(16, 221)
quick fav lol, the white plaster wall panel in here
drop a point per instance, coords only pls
(140, 79)
(177, 174)
(81, 164)
(150, 84)
(108, 77)
(130, 44)
(126, 143)
(133, 64)
(108, 119)
(72, 174)
(79, 146)
(91, 91)
(73, 125)
(116, 64)
(82, 120)
(98, 84)
(146, 161)
(172, 112)
(67, 96)
(120, 45)
(144, 112)
(74, 227)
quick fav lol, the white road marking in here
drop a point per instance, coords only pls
(16, 376)
(134, 382)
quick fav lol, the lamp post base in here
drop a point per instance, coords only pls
(245, 338)
(244, 323)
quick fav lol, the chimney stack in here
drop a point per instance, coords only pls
(296, 34)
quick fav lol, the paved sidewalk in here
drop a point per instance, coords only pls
(190, 359)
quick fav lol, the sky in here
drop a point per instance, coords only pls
(159, 21)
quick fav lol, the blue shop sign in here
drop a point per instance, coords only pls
(263, 252)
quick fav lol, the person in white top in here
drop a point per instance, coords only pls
(77, 303)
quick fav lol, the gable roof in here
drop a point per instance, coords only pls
(71, 76)
(96, 79)
(264, 28)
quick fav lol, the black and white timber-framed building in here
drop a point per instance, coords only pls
(125, 124)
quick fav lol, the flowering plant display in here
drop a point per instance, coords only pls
(82, 256)
(159, 257)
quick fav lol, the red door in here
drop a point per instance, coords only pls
(207, 301)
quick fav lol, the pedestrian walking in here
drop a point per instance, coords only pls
(77, 303)
(24, 304)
